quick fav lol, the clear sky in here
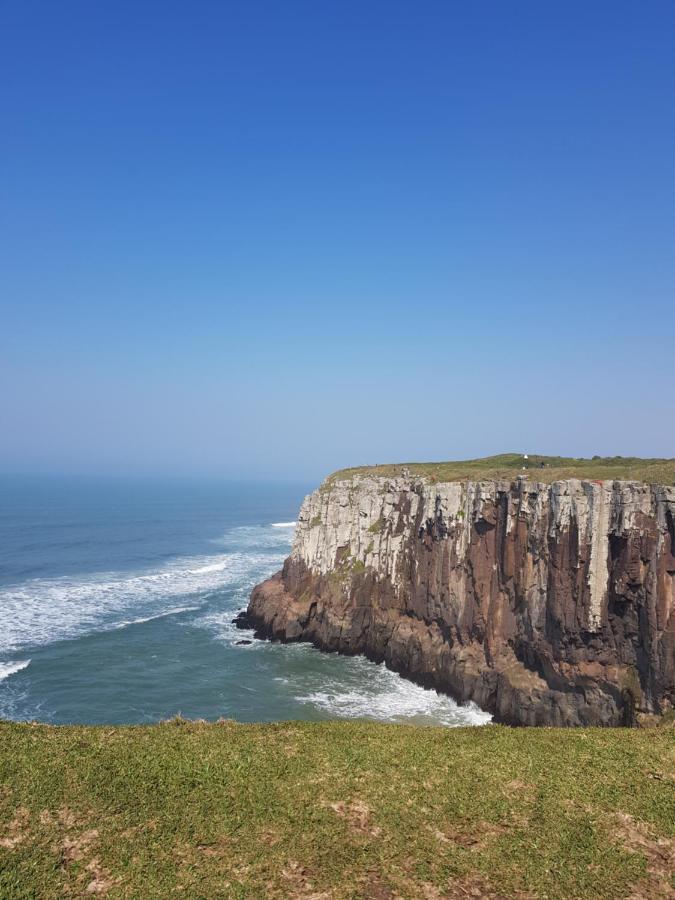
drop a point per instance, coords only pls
(265, 239)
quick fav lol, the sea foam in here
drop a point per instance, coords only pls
(42, 610)
(385, 696)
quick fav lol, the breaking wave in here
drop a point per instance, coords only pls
(162, 615)
(385, 696)
(203, 592)
(42, 610)
(11, 666)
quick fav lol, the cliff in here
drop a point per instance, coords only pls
(546, 604)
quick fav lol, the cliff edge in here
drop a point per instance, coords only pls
(545, 603)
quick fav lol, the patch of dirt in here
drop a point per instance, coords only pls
(575, 806)
(101, 881)
(358, 816)
(16, 831)
(378, 891)
(661, 776)
(372, 886)
(659, 852)
(474, 839)
(440, 835)
(217, 848)
(189, 853)
(64, 817)
(467, 887)
(149, 825)
(474, 886)
(297, 883)
(269, 837)
(76, 848)
(430, 891)
(517, 788)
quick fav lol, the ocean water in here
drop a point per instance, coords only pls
(116, 606)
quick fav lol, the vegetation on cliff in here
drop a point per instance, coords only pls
(335, 810)
(507, 466)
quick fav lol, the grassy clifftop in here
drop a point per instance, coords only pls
(506, 466)
(335, 810)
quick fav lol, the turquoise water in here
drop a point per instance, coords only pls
(116, 606)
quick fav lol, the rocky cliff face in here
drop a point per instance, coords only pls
(546, 604)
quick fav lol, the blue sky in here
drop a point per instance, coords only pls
(273, 239)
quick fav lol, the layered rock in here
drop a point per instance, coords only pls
(546, 604)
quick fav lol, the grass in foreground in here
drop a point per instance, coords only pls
(507, 466)
(335, 810)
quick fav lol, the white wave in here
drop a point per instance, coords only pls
(386, 696)
(160, 615)
(40, 611)
(11, 666)
(257, 537)
(221, 624)
(349, 686)
(284, 524)
(212, 567)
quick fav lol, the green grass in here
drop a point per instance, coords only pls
(335, 810)
(507, 466)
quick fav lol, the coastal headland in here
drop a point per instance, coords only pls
(541, 588)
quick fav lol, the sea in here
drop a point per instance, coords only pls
(116, 604)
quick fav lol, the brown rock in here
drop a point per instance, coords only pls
(544, 604)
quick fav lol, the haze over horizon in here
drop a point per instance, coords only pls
(259, 241)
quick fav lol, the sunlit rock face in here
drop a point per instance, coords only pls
(546, 604)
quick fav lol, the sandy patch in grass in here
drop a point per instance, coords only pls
(476, 837)
(62, 818)
(472, 886)
(269, 837)
(101, 881)
(73, 849)
(217, 848)
(297, 883)
(358, 816)
(658, 851)
(518, 788)
(16, 831)
(77, 846)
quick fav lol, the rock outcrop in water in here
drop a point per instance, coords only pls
(546, 604)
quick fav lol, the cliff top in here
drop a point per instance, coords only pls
(335, 809)
(507, 466)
